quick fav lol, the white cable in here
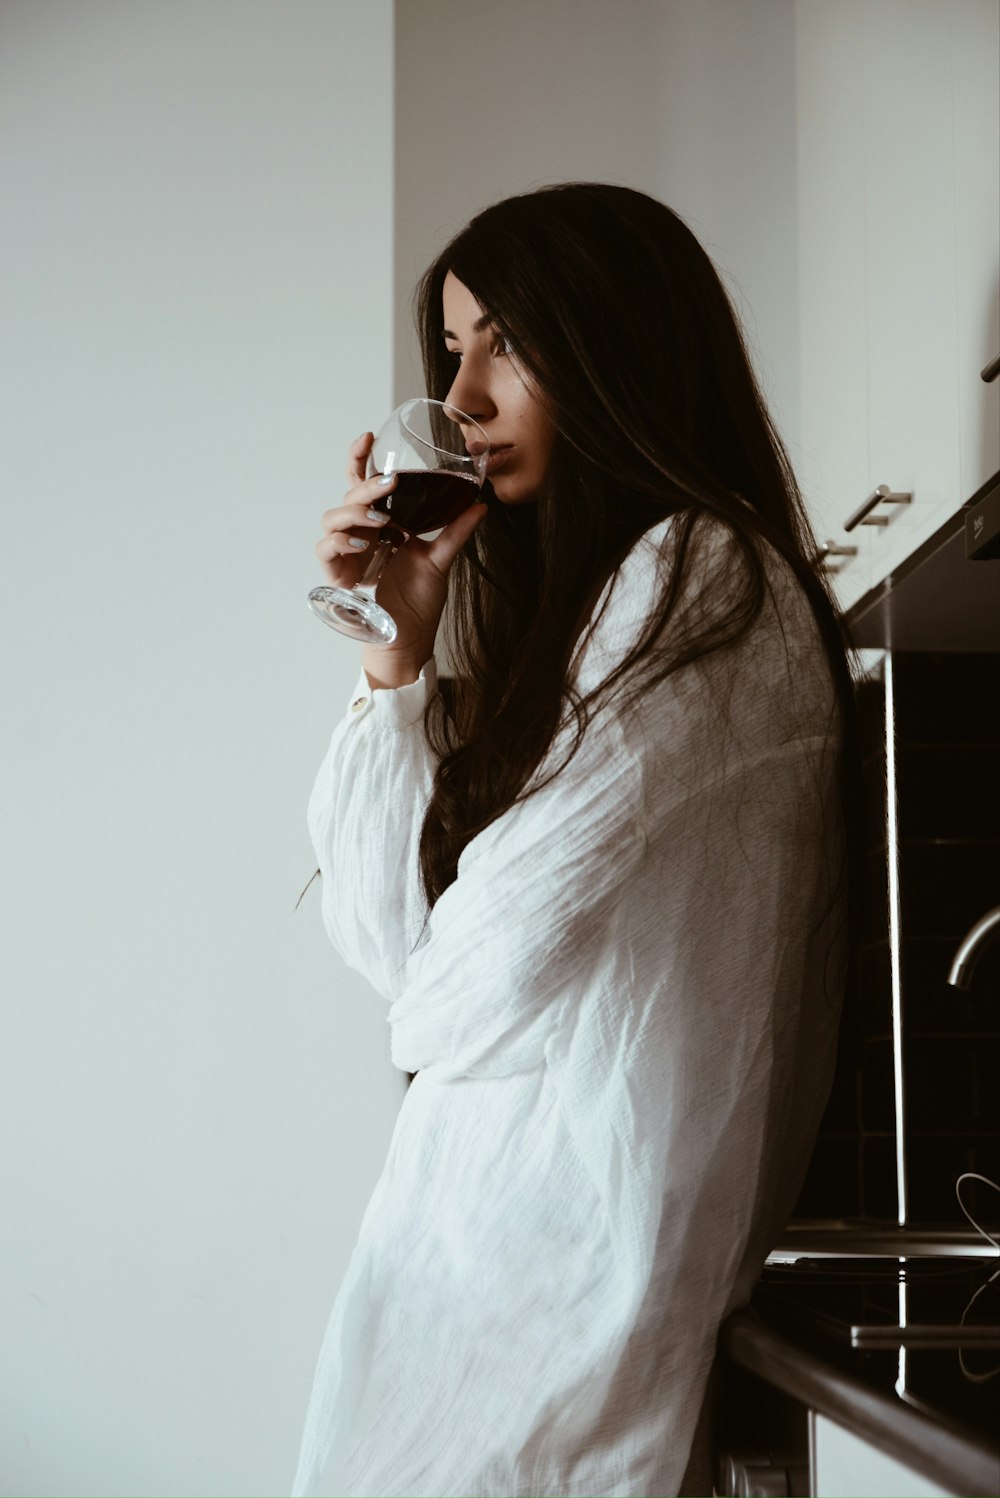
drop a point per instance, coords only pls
(972, 1175)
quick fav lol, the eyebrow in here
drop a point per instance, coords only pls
(486, 321)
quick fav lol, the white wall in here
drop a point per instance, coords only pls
(195, 274)
(196, 277)
(691, 101)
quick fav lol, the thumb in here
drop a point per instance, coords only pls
(445, 548)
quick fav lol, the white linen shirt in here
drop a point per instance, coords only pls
(623, 1013)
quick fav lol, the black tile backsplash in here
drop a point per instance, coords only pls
(932, 1008)
(947, 792)
(947, 698)
(834, 1185)
(876, 991)
(951, 1084)
(947, 716)
(877, 1112)
(936, 1165)
(946, 886)
(878, 1181)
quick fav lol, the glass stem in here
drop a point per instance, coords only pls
(376, 564)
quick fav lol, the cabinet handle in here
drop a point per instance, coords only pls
(883, 495)
(828, 549)
(991, 371)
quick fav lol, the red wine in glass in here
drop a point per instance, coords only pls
(426, 500)
(425, 443)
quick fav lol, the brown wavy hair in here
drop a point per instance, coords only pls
(621, 323)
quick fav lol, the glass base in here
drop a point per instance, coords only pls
(353, 612)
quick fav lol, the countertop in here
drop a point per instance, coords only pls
(911, 1392)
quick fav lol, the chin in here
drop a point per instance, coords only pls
(511, 492)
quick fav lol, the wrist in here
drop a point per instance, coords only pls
(388, 669)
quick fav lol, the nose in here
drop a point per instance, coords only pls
(470, 394)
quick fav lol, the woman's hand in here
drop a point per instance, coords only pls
(413, 586)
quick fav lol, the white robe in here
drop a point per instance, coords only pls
(623, 1013)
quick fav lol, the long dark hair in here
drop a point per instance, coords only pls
(617, 316)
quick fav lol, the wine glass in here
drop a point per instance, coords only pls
(424, 444)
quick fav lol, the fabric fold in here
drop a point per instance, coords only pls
(623, 1016)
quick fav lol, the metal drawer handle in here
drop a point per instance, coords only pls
(883, 495)
(831, 549)
(991, 371)
(828, 549)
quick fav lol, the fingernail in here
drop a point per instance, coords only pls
(377, 516)
(356, 541)
(385, 480)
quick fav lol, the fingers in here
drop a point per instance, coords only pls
(363, 505)
(347, 531)
(357, 456)
(351, 528)
(443, 550)
(341, 544)
(367, 493)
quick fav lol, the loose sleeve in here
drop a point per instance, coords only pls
(519, 927)
(365, 816)
(365, 813)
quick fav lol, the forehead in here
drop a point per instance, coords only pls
(463, 315)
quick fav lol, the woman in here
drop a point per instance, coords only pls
(602, 880)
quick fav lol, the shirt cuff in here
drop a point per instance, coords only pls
(395, 707)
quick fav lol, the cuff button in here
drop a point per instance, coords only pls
(358, 704)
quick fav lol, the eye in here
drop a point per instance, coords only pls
(501, 346)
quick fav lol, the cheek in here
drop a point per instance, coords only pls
(536, 426)
(532, 421)
(544, 437)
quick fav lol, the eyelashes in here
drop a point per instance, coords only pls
(501, 346)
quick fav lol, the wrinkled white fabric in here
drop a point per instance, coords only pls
(623, 1014)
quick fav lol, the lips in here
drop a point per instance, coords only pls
(499, 453)
(498, 456)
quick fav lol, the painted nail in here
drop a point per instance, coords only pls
(357, 541)
(377, 516)
(385, 480)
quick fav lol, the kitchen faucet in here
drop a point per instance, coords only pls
(971, 948)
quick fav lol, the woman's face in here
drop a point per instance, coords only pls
(490, 386)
